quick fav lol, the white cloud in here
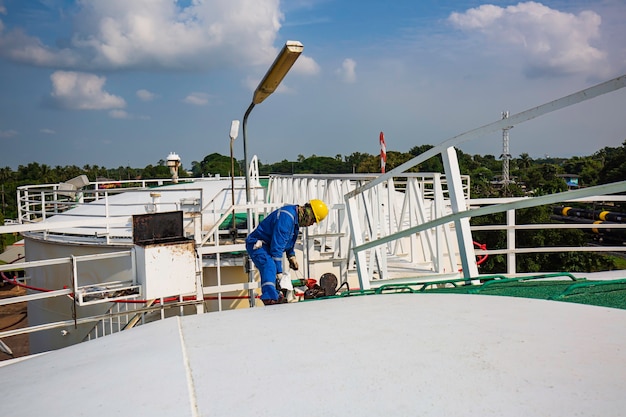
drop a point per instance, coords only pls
(81, 91)
(552, 42)
(252, 83)
(139, 34)
(306, 65)
(7, 133)
(123, 114)
(145, 95)
(197, 99)
(47, 131)
(347, 71)
(119, 114)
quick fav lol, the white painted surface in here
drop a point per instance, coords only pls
(141, 202)
(385, 355)
(166, 269)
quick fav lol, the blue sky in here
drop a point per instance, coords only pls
(126, 82)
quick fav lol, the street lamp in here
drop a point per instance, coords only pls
(234, 132)
(281, 66)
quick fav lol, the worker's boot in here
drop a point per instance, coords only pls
(281, 300)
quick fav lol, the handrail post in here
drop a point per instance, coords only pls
(511, 264)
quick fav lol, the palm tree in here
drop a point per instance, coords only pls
(525, 161)
(6, 174)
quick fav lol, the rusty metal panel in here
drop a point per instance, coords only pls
(166, 269)
(158, 227)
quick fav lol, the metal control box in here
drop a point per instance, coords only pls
(166, 269)
(165, 259)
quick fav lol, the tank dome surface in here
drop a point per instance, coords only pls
(390, 354)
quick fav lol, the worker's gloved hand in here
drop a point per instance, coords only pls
(293, 263)
(258, 244)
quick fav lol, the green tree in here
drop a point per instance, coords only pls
(214, 164)
(282, 167)
(524, 161)
(614, 166)
(354, 160)
(433, 164)
(322, 165)
(155, 171)
(586, 167)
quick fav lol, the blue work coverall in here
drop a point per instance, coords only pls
(278, 231)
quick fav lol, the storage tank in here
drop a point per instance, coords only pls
(207, 198)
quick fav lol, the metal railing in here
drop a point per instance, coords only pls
(368, 245)
(393, 205)
(511, 227)
(41, 201)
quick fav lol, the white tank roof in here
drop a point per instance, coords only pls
(384, 355)
(129, 203)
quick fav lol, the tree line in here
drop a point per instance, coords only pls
(528, 176)
(538, 176)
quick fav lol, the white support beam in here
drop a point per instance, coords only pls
(510, 242)
(457, 201)
(357, 239)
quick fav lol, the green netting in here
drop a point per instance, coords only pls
(610, 293)
(241, 220)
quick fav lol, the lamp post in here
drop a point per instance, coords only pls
(281, 66)
(234, 132)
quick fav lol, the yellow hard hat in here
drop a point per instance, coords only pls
(320, 209)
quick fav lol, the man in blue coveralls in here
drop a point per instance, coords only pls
(276, 234)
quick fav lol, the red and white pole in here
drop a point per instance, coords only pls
(383, 153)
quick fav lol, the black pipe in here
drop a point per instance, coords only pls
(590, 214)
(618, 232)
